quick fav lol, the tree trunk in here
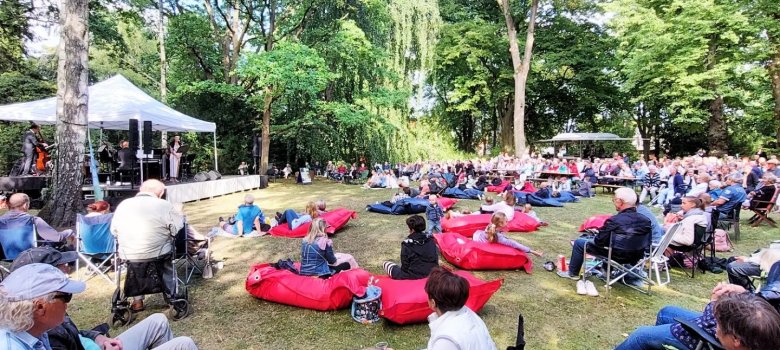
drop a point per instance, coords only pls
(774, 74)
(72, 78)
(718, 132)
(520, 69)
(506, 126)
(266, 133)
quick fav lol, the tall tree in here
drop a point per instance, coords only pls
(520, 68)
(72, 98)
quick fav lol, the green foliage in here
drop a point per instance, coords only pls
(13, 31)
(290, 68)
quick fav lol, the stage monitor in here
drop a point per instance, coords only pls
(132, 134)
(147, 139)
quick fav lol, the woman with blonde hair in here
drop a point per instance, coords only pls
(317, 256)
(492, 234)
(507, 206)
(294, 219)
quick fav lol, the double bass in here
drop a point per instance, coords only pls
(43, 155)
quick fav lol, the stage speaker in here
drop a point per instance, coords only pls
(201, 176)
(147, 140)
(214, 175)
(132, 134)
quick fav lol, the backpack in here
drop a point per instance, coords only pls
(722, 241)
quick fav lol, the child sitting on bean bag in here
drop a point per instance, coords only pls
(529, 210)
(492, 234)
(317, 256)
(419, 254)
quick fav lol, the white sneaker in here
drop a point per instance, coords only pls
(581, 288)
(590, 289)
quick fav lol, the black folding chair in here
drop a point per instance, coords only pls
(701, 239)
(705, 340)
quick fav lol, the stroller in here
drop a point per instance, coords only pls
(146, 277)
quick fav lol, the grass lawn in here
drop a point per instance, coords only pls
(227, 317)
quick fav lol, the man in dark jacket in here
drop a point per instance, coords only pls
(419, 254)
(629, 231)
(29, 143)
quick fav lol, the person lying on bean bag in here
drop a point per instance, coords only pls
(418, 253)
(317, 256)
(492, 234)
(294, 219)
(507, 206)
(529, 210)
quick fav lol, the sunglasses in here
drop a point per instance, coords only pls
(65, 297)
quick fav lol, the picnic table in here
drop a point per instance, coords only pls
(614, 182)
(548, 174)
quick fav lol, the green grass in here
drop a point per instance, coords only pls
(227, 317)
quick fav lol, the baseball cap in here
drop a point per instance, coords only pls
(43, 255)
(36, 280)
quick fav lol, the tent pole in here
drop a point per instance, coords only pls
(216, 164)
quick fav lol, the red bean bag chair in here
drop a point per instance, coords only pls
(469, 255)
(446, 203)
(335, 218)
(405, 301)
(498, 189)
(595, 221)
(467, 224)
(528, 187)
(284, 287)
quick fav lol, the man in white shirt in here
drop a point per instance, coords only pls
(144, 227)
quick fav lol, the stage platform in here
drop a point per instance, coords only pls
(193, 191)
(22, 183)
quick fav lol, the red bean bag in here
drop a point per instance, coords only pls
(467, 254)
(335, 218)
(467, 224)
(595, 221)
(528, 187)
(446, 203)
(405, 301)
(284, 287)
(498, 189)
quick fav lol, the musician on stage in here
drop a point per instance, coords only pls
(126, 156)
(29, 143)
(174, 157)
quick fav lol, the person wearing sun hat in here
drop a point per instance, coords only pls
(154, 332)
(33, 299)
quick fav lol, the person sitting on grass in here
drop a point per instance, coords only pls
(529, 210)
(294, 219)
(759, 324)
(629, 232)
(248, 222)
(434, 213)
(453, 325)
(507, 206)
(317, 256)
(493, 234)
(419, 254)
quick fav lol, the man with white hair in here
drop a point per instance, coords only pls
(650, 183)
(732, 197)
(33, 300)
(630, 233)
(19, 206)
(145, 226)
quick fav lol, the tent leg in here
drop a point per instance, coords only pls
(216, 164)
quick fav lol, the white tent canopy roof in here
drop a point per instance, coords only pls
(585, 136)
(112, 103)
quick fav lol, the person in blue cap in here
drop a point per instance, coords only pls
(33, 300)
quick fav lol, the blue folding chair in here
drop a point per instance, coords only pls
(16, 235)
(96, 245)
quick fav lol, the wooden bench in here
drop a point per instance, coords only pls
(607, 187)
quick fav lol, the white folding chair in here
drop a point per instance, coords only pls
(658, 260)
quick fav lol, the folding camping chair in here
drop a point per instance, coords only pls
(658, 260)
(761, 210)
(16, 236)
(731, 220)
(189, 261)
(702, 237)
(634, 268)
(96, 245)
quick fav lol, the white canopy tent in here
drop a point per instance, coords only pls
(112, 103)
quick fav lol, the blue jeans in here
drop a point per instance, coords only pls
(434, 226)
(664, 196)
(577, 255)
(655, 337)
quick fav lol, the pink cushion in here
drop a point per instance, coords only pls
(595, 221)
(405, 301)
(467, 224)
(285, 287)
(498, 189)
(446, 203)
(467, 254)
(335, 218)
